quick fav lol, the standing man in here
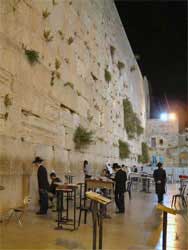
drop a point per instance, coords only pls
(43, 185)
(159, 176)
(120, 183)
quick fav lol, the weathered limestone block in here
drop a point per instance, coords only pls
(69, 144)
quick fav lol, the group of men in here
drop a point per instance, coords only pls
(119, 178)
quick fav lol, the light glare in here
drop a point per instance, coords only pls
(172, 116)
(168, 117)
(164, 116)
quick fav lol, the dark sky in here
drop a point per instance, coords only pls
(157, 31)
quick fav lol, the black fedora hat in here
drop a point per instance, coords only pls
(37, 160)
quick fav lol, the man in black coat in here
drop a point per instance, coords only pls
(43, 185)
(120, 183)
(159, 176)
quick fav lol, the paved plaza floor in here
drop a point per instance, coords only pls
(140, 228)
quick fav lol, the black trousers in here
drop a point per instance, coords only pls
(43, 194)
(119, 199)
(160, 197)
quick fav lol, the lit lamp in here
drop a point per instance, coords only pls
(168, 117)
(164, 117)
(172, 116)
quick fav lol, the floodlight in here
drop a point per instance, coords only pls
(164, 116)
(172, 116)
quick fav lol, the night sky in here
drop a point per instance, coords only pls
(157, 31)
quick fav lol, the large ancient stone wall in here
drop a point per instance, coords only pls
(39, 114)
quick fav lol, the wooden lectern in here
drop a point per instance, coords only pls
(97, 214)
(165, 211)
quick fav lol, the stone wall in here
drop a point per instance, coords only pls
(40, 110)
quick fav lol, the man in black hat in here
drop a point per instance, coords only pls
(120, 183)
(159, 176)
(43, 185)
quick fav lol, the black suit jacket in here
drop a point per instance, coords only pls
(43, 178)
(120, 179)
(160, 175)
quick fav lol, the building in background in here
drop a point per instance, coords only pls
(165, 143)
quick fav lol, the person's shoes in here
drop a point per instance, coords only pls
(160, 201)
(41, 213)
(106, 216)
(120, 212)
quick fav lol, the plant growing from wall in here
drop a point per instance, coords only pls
(144, 157)
(70, 40)
(7, 101)
(48, 36)
(57, 74)
(78, 93)
(120, 65)
(54, 75)
(45, 13)
(70, 84)
(52, 78)
(82, 137)
(61, 34)
(107, 75)
(133, 68)
(32, 56)
(54, 2)
(139, 128)
(94, 77)
(57, 64)
(124, 151)
(132, 123)
(6, 116)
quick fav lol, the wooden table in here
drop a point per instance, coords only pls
(61, 189)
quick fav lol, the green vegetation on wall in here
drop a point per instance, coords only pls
(70, 40)
(94, 77)
(120, 65)
(45, 13)
(124, 151)
(57, 64)
(32, 56)
(60, 32)
(48, 35)
(82, 137)
(107, 75)
(144, 157)
(132, 123)
(7, 101)
(70, 84)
